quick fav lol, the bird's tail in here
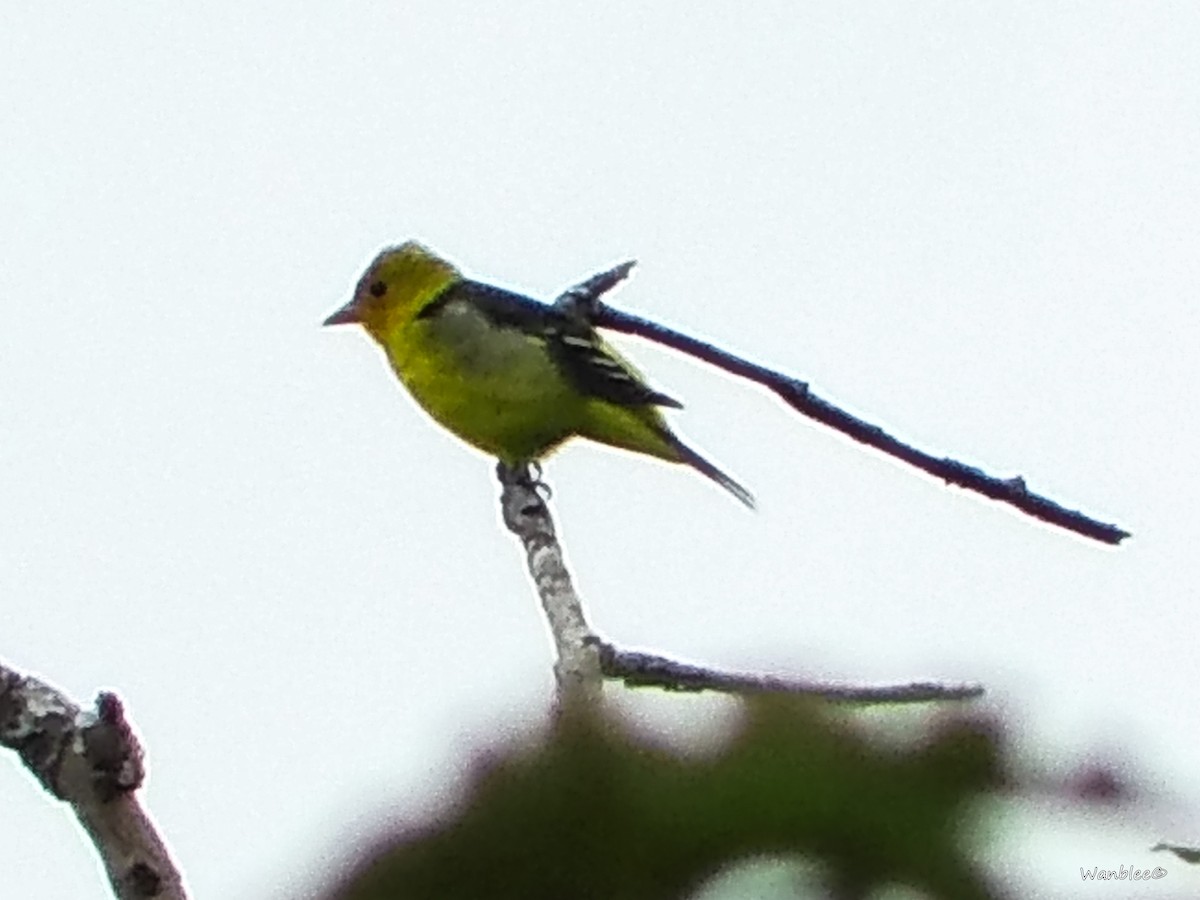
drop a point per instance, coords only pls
(708, 470)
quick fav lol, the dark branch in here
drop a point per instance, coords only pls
(638, 669)
(584, 300)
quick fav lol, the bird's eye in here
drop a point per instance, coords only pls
(377, 289)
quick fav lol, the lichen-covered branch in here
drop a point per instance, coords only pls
(577, 668)
(91, 760)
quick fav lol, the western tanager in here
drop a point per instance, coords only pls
(507, 374)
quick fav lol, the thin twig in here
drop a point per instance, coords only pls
(584, 299)
(585, 660)
(92, 761)
(639, 669)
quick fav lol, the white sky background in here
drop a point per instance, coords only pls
(975, 225)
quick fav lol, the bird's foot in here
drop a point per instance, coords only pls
(524, 475)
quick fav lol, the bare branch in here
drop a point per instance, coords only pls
(584, 300)
(638, 669)
(584, 659)
(527, 516)
(93, 761)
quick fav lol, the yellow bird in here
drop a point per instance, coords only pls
(507, 374)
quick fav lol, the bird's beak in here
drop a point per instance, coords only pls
(344, 316)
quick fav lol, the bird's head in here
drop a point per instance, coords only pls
(395, 287)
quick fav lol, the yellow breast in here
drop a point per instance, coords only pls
(496, 388)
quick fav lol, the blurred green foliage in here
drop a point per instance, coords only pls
(591, 811)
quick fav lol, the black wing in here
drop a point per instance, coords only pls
(574, 346)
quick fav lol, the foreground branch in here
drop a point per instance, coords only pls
(584, 299)
(585, 660)
(93, 761)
